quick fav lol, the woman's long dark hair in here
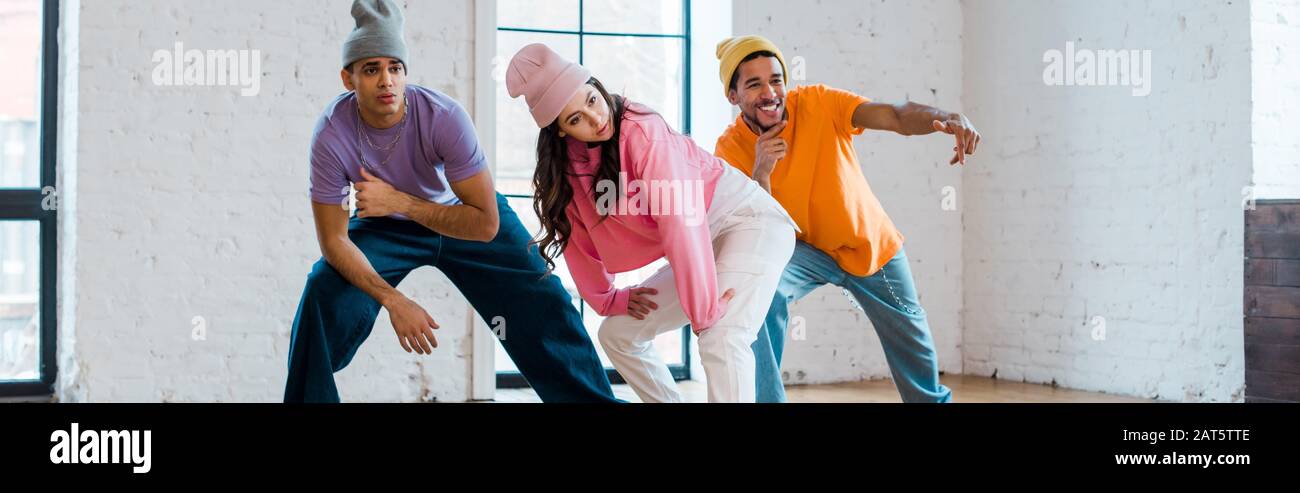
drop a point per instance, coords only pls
(551, 189)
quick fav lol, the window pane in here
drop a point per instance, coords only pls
(559, 15)
(633, 16)
(19, 300)
(20, 35)
(645, 70)
(516, 134)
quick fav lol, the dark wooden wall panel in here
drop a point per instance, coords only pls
(1284, 331)
(1272, 302)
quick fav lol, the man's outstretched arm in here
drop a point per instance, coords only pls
(918, 119)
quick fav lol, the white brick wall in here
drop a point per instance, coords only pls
(1275, 81)
(888, 51)
(192, 201)
(1089, 202)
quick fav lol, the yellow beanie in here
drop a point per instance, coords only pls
(732, 50)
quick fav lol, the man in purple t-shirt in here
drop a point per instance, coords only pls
(424, 196)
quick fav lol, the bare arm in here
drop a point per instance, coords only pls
(918, 119)
(412, 324)
(474, 219)
(905, 119)
(344, 256)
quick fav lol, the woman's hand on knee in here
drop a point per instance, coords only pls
(639, 303)
(728, 295)
(725, 299)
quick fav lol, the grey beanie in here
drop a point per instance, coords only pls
(378, 32)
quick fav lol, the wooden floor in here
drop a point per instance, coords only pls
(964, 389)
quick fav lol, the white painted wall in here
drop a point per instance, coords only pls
(1089, 202)
(710, 113)
(1275, 84)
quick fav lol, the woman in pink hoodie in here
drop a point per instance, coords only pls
(617, 189)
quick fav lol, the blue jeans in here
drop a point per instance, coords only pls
(506, 277)
(889, 299)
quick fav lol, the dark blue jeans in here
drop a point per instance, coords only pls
(545, 336)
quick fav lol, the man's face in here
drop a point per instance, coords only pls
(379, 83)
(760, 92)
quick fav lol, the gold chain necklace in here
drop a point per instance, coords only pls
(361, 135)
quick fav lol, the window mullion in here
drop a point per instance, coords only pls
(582, 28)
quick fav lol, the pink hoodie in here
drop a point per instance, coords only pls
(648, 150)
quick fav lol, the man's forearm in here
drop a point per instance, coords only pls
(917, 119)
(353, 265)
(461, 221)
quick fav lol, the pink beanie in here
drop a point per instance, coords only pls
(546, 81)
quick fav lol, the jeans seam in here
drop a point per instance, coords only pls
(890, 285)
(437, 253)
(854, 301)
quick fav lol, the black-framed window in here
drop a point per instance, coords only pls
(28, 199)
(637, 48)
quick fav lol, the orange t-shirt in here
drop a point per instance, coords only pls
(820, 182)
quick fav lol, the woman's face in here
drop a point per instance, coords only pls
(587, 116)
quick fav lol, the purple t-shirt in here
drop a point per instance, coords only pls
(438, 147)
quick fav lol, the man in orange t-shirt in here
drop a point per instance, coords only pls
(798, 144)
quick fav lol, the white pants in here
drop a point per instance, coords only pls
(753, 239)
